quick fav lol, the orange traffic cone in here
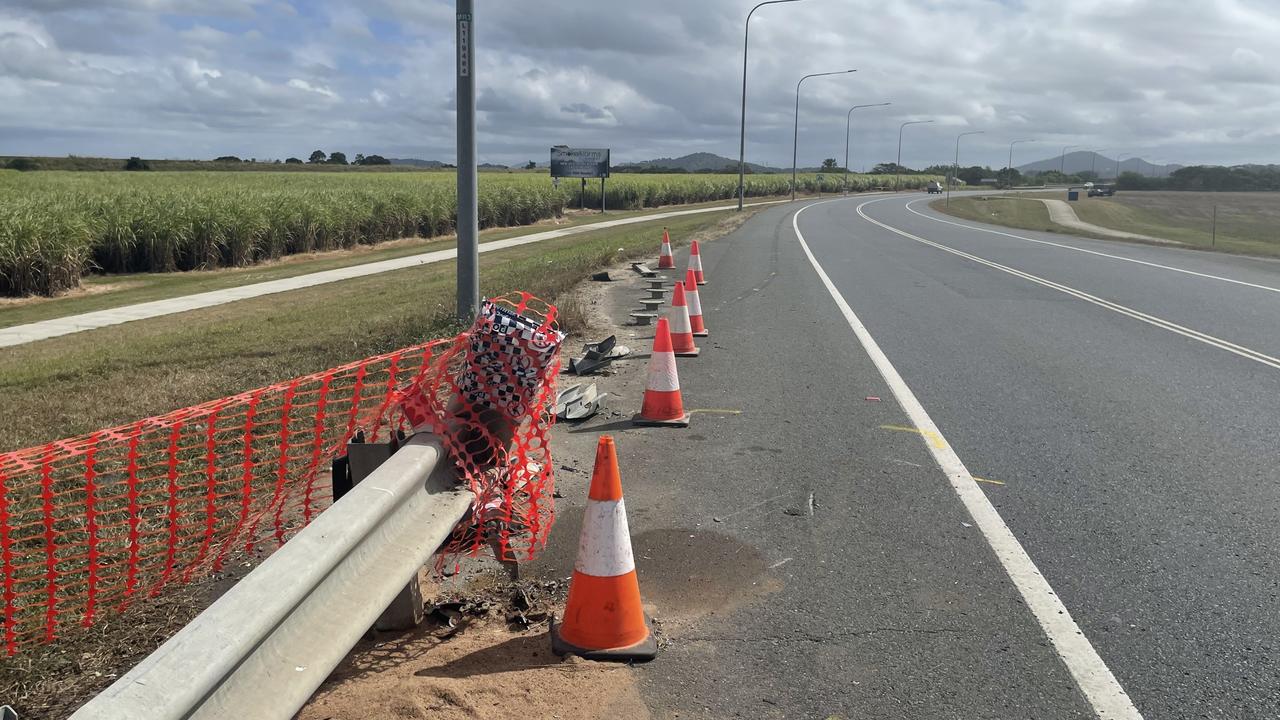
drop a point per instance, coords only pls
(662, 402)
(695, 305)
(603, 618)
(665, 260)
(695, 264)
(681, 331)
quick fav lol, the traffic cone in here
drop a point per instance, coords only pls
(603, 618)
(678, 319)
(695, 264)
(695, 305)
(665, 260)
(662, 402)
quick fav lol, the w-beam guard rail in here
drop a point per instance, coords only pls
(263, 648)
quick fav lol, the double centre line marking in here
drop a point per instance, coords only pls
(1242, 351)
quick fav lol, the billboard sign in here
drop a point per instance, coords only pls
(579, 162)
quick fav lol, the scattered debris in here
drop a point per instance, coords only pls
(812, 504)
(578, 402)
(521, 604)
(644, 270)
(965, 524)
(873, 398)
(793, 511)
(602, 276)
(597, 355)
(609, 347)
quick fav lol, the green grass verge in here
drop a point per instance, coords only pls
(997, 210)
(1246, 222)
(75, 384)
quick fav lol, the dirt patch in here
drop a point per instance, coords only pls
(48, 682)
(483, 653)
(84, 290)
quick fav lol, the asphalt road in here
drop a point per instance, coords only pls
(1129, 410)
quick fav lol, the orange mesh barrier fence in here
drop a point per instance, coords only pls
(89, 523)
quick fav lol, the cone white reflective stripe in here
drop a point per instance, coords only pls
(695, 262)
(662, 372)
(666, 250)
(678, 317)
(604, 547)
(693, 301)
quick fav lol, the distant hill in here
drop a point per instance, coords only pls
(696, 162)
(1084, 161)
(415, 162)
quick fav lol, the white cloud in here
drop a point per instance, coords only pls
(308, 87)
(1194, 82)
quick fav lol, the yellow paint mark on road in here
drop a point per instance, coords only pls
(714, 411)
(934, 438)
(984, 480)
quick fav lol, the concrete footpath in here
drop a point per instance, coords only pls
(32, 332)
(1061, 213)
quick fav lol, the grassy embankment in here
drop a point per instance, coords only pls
(77, 383)
(1247, 222)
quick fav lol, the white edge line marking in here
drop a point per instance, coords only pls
(1242, 351)
(1092, 252)
(1100, 687)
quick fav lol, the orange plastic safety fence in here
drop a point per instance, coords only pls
(89, 523)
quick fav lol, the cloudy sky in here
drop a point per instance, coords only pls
(1170, 80)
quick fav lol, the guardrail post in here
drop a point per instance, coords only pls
(405, 611)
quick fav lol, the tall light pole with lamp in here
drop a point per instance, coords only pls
(1010, 167)
(897, 166)
(1117, 177)
(848, 119)
(1062, 165)
(1093, 164)
(795, 137)
(742, 131)
(956, 168)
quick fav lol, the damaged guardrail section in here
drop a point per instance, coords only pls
(264, 647)
(91, 523)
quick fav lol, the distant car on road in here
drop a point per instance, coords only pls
(1102, 191)
(933, 187)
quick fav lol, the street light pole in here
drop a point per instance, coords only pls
(956, 168)
(1010, 168)
(848, 119)
(795, 137)
(1117, 177)
(897, 166)
(1062, 166)
(742, 131)
(467, 221)
(1093, 165)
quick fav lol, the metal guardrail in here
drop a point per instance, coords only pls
(261, 650)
